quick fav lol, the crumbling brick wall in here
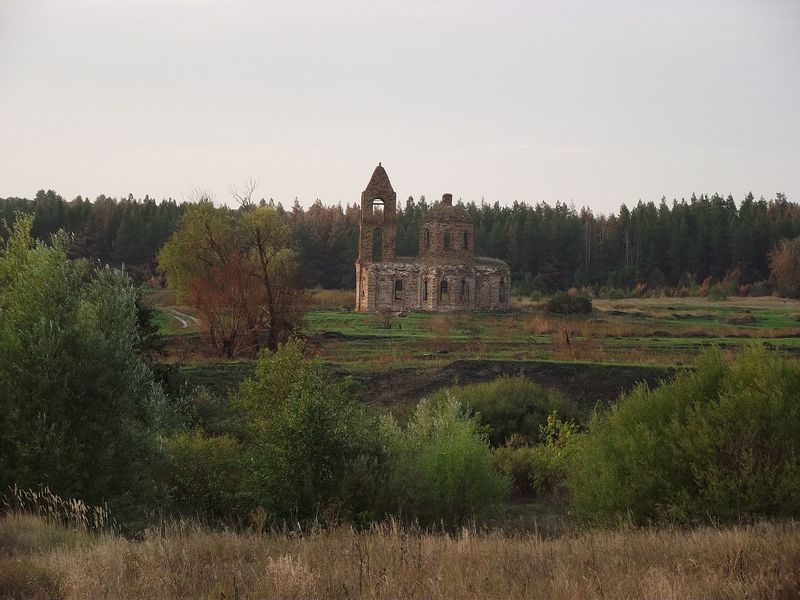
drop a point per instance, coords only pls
(447, 234)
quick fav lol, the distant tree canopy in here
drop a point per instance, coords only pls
(116, 232)
(549, 248)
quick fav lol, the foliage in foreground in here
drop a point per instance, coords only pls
(721, 442)
(302, 447)
(539, 469)
(512, 406)
(79, 409)
(440, 467)
(309, 445)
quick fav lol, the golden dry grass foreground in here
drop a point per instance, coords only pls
(185, 561)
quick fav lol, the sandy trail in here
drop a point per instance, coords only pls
(183, 318)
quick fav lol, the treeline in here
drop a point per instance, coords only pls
(554, 248)
(112, 231)
(676, 244)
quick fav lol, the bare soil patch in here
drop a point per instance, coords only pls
(584, 383)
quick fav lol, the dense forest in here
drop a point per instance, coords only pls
(677, 244)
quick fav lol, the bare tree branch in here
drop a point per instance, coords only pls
(244, 196)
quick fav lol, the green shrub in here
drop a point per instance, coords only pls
(80, 411)
(311, 449)
(532, 470)
(440, 469)
(567, 304)
(612, 293)
(306, 449)
(512, 405)
(721, 442)
(207, 474)
(540, 469)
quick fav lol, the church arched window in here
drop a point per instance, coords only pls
(377, 208)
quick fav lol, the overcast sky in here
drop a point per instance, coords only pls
(596, 103)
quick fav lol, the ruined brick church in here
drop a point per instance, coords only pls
(446, 276)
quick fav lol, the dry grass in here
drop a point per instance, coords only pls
(542, 324)
(743, 302)
(332, 298)
(160, 297)
(389, 562)
(55, 510)
(565, 346)
(443, 324)
(595, 329)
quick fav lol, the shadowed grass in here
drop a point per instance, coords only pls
(186, 561)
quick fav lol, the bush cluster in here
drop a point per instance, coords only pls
(82, 412)
(512, 406)
(568, 304)
(720, 442)
(440, 468)
(532, 470)
(303, 448)
(538, 469)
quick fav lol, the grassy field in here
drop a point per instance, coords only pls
(39, 560)
(648, 331)
(652, 333)
(663, 331)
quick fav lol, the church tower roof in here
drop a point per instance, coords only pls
(379, 180)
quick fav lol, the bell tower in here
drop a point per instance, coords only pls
(378, 225)
(376, 237)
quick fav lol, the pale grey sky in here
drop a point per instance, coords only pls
(594, 102)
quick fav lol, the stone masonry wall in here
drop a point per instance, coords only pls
(431, 242)
(490, 282)
(469, 287)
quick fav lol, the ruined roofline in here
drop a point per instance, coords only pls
(379, 180)
(488, 260)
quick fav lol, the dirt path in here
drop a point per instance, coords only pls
(183, 318)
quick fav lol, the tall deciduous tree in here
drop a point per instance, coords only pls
(785, 266)
(237, 269)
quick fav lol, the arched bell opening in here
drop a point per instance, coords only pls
(378, 207)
